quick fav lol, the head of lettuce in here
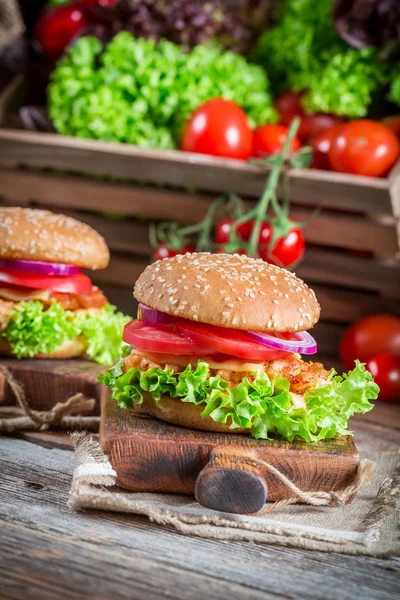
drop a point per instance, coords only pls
(48, 307)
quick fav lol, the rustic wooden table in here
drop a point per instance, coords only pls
(49, 552)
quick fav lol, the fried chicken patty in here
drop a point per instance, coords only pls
(92, 300)
(301, 375)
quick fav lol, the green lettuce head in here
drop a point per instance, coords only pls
(32, 329)
(262, 406)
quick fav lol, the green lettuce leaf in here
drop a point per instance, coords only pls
(32, 329)
(140, 92)
(262, 406)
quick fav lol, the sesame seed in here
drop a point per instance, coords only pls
(276, 301)
(226, 313)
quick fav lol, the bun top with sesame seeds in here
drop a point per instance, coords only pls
(31, 234)
(228, 291)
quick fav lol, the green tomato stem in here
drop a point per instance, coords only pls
(270, 188)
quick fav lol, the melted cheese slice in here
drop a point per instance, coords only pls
(232, 364)
(14, 295)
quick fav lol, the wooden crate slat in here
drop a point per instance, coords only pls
(336, 268)
(345, 306)
(22, 187)
(329, 228)
(181, 169)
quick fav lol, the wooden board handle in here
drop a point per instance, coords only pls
(229, 485)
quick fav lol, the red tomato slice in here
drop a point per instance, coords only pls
(228, 341)
(161, 338)
(73, 284)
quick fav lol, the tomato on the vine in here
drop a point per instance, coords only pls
(287, 251)
(218, 127)
(321, 144)
(385, 369)
(222, 231)
(269, 139)
(245, 229)
(364, 147)
(370, 336)
(164, 251)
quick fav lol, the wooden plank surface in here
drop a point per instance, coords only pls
(49, 552)
(171, 167)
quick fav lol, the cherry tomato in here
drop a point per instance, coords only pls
(269, 139)
(57, 26)
(287, 251)
(385, 369)
(316, 123)
(222, 231)
(220, 128)
(364, 147)
(228, 341)
(288, 105)
(370, 336)
(163, 251)
(393, 123)
(321, 144)
(161, 338)
(245, 229)
(73, 284)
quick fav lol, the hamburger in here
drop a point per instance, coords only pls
(218, 346)
(48, 307)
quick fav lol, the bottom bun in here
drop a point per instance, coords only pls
(185, 414)
(68, 349)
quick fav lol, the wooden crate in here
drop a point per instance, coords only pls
(352, 257)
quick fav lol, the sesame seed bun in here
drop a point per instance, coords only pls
(31, 234)
(68, 349)
(228, 291)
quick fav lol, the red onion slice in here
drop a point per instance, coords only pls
(37, 266)
(303, 343)
(155, 317)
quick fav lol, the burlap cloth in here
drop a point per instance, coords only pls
(369, 526)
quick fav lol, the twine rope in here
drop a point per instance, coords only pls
(58, 416)
(319, 498)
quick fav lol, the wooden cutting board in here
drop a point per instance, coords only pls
(150, 455)
(47, 382)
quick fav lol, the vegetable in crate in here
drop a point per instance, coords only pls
(304, 52)
(48, 307)
(215, 347)
(140, 92)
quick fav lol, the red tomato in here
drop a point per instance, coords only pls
(218, 127)
(160, 338)
(313, 124)
(222, 231)
(287, 251)
(288, 105)
(321, 144)
(71, 284)
(245, 229)
(370, 336)
(269, 139)
(364, 147)
(385, 369)
(163, 251)
(393, 123)
(57, 26)
(228, 341)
